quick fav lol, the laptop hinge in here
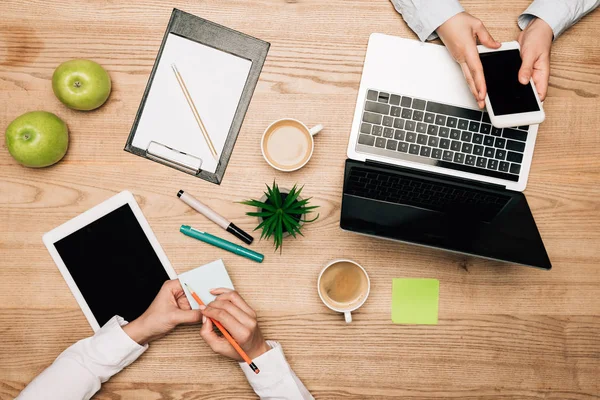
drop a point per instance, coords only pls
(436, 175)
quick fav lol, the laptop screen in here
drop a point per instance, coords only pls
(410, 206)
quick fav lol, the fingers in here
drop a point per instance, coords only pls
(239, 332)
(173, 286)
(216, 343)
(187, 316)
(221, 290)
(173, 290)
(469, 78)
(474, 62)
(460, 34)
(540, 75)
(235, 298)
(235, 311)
(183, 303)
(485, 38)
(540, 78)
(476, 71)
(528, 59)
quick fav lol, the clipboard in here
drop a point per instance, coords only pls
(221, 68)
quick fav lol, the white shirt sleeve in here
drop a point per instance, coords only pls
(559, 14)
(79, 371)
(276, 380)
(425, 16)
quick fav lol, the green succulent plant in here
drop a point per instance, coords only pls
(281, 213)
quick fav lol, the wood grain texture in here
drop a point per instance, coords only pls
(505, 332)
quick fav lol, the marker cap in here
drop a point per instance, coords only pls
(240, 234)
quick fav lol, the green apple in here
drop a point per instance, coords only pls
(37, 139)
(81, 84)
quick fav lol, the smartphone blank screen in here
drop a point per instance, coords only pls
(507, 95)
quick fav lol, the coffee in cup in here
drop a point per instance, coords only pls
(344, 286)
(287, 144)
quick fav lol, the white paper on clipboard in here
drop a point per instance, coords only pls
(215, 80)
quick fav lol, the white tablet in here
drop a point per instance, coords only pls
(111, 260)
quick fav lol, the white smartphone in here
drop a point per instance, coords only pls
(508, 102)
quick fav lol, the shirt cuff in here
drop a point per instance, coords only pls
(108, 351)
(426, 16)
(113, 339)
(434, 17)
(273, 368)
(554, 13)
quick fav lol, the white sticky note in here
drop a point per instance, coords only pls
(202, 279)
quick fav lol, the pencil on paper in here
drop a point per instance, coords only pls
(194, 111)
(226, 334)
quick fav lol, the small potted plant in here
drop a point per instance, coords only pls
(281, 213)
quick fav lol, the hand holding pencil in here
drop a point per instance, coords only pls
(235, 315)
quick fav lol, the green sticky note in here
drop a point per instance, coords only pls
(415, 301)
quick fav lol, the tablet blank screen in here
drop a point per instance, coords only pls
(114, 265)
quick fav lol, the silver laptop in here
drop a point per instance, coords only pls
(414, 109)
(427, 167)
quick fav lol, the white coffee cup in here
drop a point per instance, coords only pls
(344, 271)
(287, 144)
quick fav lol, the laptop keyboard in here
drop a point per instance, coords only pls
(431, 195)
(439, 134)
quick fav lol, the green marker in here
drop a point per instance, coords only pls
(221, 243)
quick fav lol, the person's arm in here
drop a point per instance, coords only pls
(542, 23)
(457, 29)
(81, 369)
(558, 14)
(425, 16)
(276, 379)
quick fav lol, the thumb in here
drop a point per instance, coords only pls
(486, 39)
(207, 332)
(218, 344)
(188, 316)
(526, 68)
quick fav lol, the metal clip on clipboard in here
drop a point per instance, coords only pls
(174, 158)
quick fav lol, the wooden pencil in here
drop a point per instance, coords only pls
(188, 97)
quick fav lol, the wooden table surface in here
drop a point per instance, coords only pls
(504, 332)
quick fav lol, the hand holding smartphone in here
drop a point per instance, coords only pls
(509, 103)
